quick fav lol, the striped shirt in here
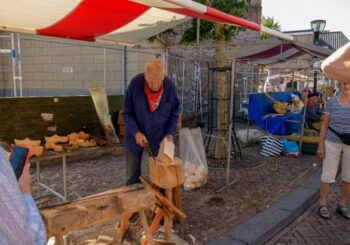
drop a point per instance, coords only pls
(20, 221)
(339, 119)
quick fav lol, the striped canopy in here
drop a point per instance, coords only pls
(274, 50)
(110, 20)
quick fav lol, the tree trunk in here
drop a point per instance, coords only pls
(223, 92)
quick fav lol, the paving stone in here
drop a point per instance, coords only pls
(259, 228)
(225, 240)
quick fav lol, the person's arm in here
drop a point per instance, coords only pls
(127, 112)
(337, 65)
(171, 124)
(324, 128)
(20, 221)
(34, 221)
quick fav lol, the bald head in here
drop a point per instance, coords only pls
(154, 73)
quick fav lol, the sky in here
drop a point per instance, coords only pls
(297, 14)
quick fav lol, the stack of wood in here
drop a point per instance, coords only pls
(80, 139)
(121, 125)
(51, 143)
(34, 146)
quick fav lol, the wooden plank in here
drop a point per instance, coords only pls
(92, 210)
(146, 227)
(123, 225)
(165, 201)
(59, 240)
(131, 201)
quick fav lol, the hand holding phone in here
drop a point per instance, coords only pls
(25, 181)
(18, 158)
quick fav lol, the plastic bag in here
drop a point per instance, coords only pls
(193, 155)
(254, 135)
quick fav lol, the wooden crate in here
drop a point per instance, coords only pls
(166, 175)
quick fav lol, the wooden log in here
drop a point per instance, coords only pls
(166, 175)
(163, 199)
(168, 222)
(94, 209)
(178, 201)
(132, 201)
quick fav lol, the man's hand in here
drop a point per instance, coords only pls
(140, 139)
(320, 151)
(25, 181)
(170, 137)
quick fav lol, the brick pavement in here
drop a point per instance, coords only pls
(210, 214)
(309, 228)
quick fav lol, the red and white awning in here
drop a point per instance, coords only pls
(90, 20)
(110, 20)
(273, 50)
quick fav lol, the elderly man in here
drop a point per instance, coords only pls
(150, 113)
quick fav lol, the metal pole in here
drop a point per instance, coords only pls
(19, 55)
(198, 30)
(38, 176)
(104, 66)
(182, 87)
(166, 60)
(64, 162)
(13, 56)
(123, 75)
(315, 81)
(231, 117)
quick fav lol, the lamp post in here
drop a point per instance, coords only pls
(317, 27)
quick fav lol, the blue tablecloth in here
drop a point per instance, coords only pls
(262, 113)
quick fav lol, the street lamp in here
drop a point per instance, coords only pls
(317, 27)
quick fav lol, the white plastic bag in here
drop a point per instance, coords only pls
(193, 155)
(254, 135)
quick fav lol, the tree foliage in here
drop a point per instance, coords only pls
(207, 29)
(269, 22)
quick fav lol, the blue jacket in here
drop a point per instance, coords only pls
(138, 117)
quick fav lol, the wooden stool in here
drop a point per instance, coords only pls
(98, 208)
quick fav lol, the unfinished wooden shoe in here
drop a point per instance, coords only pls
(72, 137)
(72, 146)
(83, 135)
(53, 146)
(27, 142)
(36, 150)
(56, 139)
(87, 143)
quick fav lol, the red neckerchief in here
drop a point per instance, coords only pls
(153, 98)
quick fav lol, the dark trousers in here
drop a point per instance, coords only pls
(133, 167)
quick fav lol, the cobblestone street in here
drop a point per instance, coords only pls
(210, 214)
(309, 228)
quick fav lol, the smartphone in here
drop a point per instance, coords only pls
(18, 158)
